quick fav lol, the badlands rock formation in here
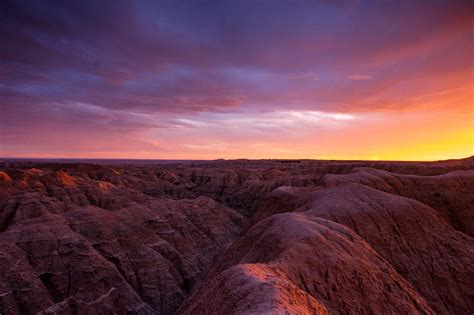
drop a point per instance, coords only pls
(237, 237)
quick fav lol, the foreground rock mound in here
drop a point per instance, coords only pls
(237, 237)
(316, 260)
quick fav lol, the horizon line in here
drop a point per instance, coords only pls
(33, 159)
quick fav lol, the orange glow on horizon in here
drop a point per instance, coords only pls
(300, 81)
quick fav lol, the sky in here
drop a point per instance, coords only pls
(381, 80)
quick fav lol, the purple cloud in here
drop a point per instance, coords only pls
(109, 67)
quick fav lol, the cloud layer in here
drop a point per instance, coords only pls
(159, 79)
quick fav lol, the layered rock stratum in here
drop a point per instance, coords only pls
(237, 237)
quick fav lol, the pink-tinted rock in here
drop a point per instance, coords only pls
(338, 270)
(237, 237)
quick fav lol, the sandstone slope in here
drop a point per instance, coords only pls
(237, 237)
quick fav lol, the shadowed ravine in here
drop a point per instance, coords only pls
(237, 237)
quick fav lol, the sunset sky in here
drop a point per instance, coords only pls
(237, 79)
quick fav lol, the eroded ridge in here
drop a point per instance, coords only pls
(237, 237)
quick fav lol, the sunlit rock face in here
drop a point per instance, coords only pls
(237, 237)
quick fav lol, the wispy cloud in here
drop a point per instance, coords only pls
(358, 77)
